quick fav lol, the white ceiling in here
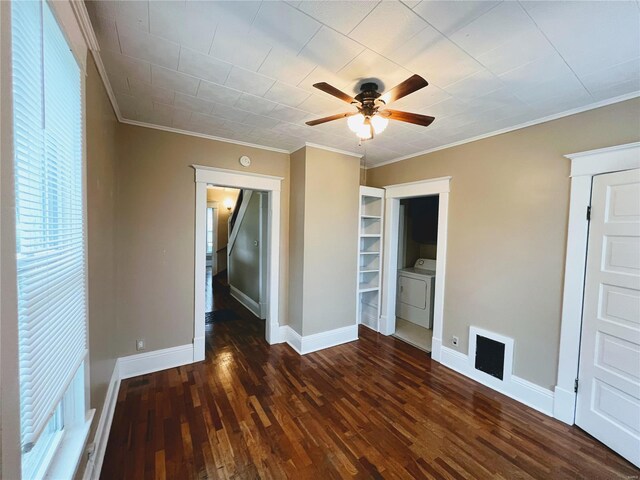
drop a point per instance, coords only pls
(243, 70)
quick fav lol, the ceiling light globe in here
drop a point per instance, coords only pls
(355, 122)
(379, 123)
(364, 132)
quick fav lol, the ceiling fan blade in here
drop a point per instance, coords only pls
(415, 118)
(331, 90)
(410, 85)
(312, 123)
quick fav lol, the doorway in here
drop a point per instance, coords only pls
(417, 253)
(271, 187)
(394, 195)
(221, 203)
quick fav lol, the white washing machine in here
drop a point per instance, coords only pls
(415, 292)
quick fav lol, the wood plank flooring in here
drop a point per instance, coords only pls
(375, 408)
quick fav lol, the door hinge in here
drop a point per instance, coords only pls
(575, 386)
(589, 213)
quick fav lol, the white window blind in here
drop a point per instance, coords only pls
(50, 230)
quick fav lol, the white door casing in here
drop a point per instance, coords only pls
(608, 401)
(394, 193)
(236, 179)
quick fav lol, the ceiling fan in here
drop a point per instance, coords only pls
(372, 115)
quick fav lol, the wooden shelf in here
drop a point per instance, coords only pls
(370, 235)
(375, 217)
(369, 253)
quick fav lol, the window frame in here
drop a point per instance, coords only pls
(65, 451)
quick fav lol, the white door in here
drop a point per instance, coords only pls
(608, 403)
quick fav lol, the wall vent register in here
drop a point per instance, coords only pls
(490, 356)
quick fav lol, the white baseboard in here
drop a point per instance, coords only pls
(318, 341)
(149, 362)
(564, 405)
(369, 326)
(101, 437)
(250, 303)
(293, 338)
(331, 338)
(199, 348)
(436, 349)
(523, 391)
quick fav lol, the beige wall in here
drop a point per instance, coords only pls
(155, 240)
(508, 211)
(327, 239)
(296, 239)
(102, 156)
(244, 256)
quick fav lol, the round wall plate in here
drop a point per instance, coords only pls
(245, 161)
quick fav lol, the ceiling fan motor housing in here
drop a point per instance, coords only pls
(367, 98)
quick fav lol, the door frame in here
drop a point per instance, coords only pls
(584, 166)
(235, 179)
(393, 195)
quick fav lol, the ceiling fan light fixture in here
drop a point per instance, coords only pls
(364, 132)
(355, 122)
(379, 123)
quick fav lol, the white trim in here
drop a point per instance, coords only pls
(200, 280)
(84, 22)
(604, 160)
(249, 303)
(202, 135)
(436, 186)
(318, 341)
(237, 179)
(584, 166)
(66, 459)
(98, 447)
(149, 362)
(508, 355)
(291, 337)
(328, 149)
(517, 388)
(555, 116)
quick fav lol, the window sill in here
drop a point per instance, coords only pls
(67, 458)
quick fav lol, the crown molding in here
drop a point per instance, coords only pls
(555, 116)
(82, 15)
(202, 135)
(328, 149)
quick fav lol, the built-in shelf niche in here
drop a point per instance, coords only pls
(370, 222)
(370, 226)
(369, 263)
(369, 244)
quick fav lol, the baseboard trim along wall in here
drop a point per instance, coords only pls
(515, 387)
(149, 362)
(99, 445)
(564, 405)
(318, 341)
(244, 299)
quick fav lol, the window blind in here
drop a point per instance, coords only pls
(50, 230)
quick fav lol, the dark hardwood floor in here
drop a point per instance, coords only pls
(375, 408)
